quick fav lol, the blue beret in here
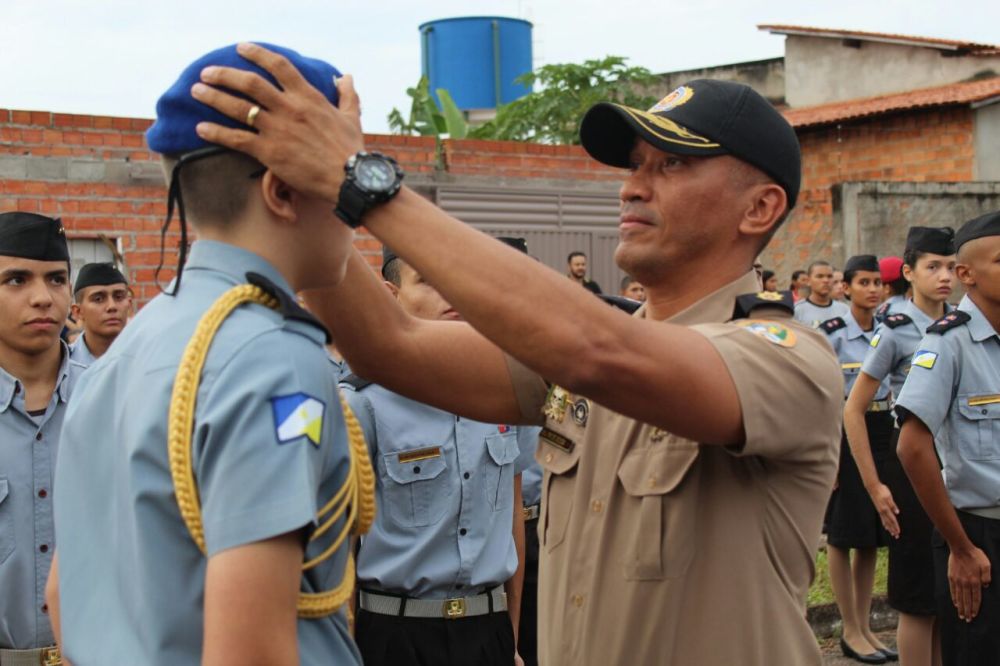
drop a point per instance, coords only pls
(177, 112)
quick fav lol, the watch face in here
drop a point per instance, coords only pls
(375, 174)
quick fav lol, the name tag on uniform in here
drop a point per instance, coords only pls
(557, 440)
(420, 454)
(850, 366)
(976, 400)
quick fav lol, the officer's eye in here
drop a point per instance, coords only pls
(14, 281)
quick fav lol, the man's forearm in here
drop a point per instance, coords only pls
(916, 453)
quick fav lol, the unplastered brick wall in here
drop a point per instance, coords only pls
(96, 174)
(922, 145)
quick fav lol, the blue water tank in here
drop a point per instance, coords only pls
(477, 58)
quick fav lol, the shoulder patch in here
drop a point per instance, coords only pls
(298, 415)
(953, 319)
(355, 382)
(897, 319)
(831, 325)
(287, 305)
(620, 302)
(746, 303)
(924, 359)
(772, 331)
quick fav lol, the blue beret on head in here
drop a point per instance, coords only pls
(177, 112)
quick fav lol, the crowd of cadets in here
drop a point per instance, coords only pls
(440, 571)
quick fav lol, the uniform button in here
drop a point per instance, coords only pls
(44, 548)
(43, 493)
(45, 608)
(466, 475)
(985, 412)
(548, 457)
(463, 531)
(416, 470)
(38, 436)
(597, 506)
(652, 480)
(577, 600)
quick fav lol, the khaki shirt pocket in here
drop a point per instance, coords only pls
(558, 455)
(659, 516)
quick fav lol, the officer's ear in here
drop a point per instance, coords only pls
(766, 207)
(280, 199)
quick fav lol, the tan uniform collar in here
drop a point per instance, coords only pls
(715, 307)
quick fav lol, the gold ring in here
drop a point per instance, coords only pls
(252, 115)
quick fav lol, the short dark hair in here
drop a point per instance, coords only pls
(626, 281)
(796, 274)
(817, 263)
(216, 189)
(767, 275)
(391, 271)
(575, 253)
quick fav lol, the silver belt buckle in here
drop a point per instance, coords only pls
(454, 608)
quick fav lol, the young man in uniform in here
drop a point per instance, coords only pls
(953, 389)
(448, 541)
(630, 288)
(101, 304)
(820, 306)
(195, 554)
(668, 445)
(36, 379)
(576, 264)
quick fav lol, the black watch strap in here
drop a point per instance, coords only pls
(351, 205)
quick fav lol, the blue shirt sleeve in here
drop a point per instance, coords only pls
(930, 387)
(881, 357)
(264, 429)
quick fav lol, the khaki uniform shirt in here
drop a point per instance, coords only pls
(660, 550)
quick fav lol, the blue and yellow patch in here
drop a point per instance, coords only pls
(773, 332)
(875, 340)
(298, 415)
(924, 359)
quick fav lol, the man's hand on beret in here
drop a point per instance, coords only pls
(300, 136)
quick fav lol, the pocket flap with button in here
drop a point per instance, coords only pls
(557, 453)
(503, 448)
(656, 470)
(403, 468)
(976, 408)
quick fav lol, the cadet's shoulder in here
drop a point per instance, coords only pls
(833, 325)
(354, 383)
(293, 316)
(896, 319)
(950, 322)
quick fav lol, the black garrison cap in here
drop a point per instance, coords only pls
(862, 262)
(980, 227)
(936, 240)
(32, 236)
(98, 275)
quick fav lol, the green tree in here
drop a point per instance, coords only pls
(553, 113)
(427, 117)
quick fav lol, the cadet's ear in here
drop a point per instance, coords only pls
(393, 289)
(278, 197)
(74, 310)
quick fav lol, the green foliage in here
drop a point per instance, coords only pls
(553, 113)
(821, 591)
(426, 117)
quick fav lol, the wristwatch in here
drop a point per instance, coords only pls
(370, 179)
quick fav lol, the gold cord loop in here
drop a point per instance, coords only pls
(356, 497)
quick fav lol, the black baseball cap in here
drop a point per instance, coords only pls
(701, 118)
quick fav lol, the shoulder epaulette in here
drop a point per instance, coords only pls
(882, 312)
(355, 382)
(287, 305)
(746, 303)
(835, 324)
(953, 319)
(620, 302)
(897, 319)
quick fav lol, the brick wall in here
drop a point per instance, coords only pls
(96, 174)
(919, 146)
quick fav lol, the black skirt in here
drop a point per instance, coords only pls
(911, 557)
(851, 518)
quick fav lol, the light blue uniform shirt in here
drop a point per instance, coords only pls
(813, 315)
(80, 352)
(131, 579)
(531, 477)
(892, 304)
(851, 343)
(445, 492)
(954, 387)
(28, 447)
(892, 347)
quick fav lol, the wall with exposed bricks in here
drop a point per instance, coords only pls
(95, 173)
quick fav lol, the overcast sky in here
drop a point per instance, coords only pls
(115, 57)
